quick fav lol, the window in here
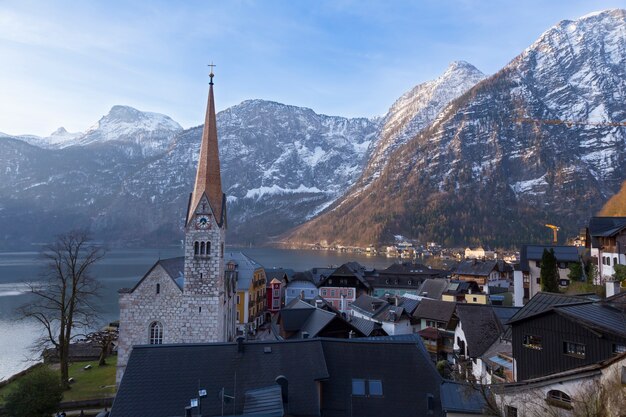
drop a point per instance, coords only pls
(614, 261)
(369, 388)
(201, 248)
(237, 317)
(375, 387)
(238, 299)
(532, 342)
(510, 411)
(196, 248)
(158, 288)
(618, 349)
(430, 403)
(559, 399)
(358, 387)
(200, 309)
(156, 333)
(222, 249)
(574, 349)
(208, 248)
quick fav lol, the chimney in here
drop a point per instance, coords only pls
(282, 381)
(240, 341)
(612, 288)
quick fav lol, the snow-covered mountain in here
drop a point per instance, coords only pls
(129, 176)
(414, 111)
(481, 173)
(144, 133)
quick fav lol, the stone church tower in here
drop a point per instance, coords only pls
(188, 299)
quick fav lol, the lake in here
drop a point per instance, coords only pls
(121, 268)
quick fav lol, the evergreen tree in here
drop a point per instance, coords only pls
(549, 273)
(575, 272)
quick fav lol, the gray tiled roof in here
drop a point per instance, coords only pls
(544, 301)
(433, 288)
(267, 402)
(606, 226)
(480, 325)
(160, 379)
(535, 253)
(597, 315)
(475, 267)
(367, 327)
(435, 310)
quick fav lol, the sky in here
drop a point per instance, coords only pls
(67, 63)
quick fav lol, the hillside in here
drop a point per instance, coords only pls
(616, 206)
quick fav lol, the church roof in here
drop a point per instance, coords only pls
(174, 267)
(208, 178)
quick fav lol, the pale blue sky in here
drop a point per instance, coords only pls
(66, 63)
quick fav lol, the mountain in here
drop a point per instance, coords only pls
(616, 206)
(129, 176)
(480, 174)
(416, 110)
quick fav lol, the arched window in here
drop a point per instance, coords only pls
(158, 289)
(208, 248)
(156, 333)
(196, 248)
(201, 248)
(559, 399)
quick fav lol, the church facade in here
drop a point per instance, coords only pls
(188, 299)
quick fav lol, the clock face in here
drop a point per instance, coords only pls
(202, 222)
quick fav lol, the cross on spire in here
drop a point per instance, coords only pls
(212, 65)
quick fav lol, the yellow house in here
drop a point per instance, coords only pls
(251, 292)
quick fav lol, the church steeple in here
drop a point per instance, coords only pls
(208, 177)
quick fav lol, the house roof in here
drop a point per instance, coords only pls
(460, 287)
(543, 301)
(475, 267)
(347, 270)
(369, 305)
(164, 390)
(599, 316)
(267, 402)
(409, 304)
(279, 273)
(367, 327)
(535, 253)
(299, 317)
(457, 397)
(606, 226)
(435, 310)
(245, 268)
(480, 325)
(433, 288)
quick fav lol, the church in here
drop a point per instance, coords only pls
(188, 299)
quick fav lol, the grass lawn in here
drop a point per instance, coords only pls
(98, 382)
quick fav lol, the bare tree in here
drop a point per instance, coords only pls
(63, 299)
(104, 339)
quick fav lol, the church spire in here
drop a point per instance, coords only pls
(208, 177)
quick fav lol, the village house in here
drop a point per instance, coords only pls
(316, 318)
(479, 253)
(394, 317)
(437, 323)
(554, 333)
(344, 285)
(606, 239)
(277, 279)
(302, 286)
(402, 278)
(478, 328)
(489, 273)
(526, 279)
(433, 288)
(464, 292)
(251, 291)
